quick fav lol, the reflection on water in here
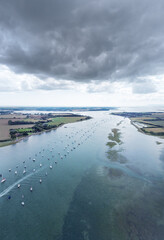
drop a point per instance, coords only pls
(106, 182)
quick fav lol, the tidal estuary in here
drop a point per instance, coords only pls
(101, 179)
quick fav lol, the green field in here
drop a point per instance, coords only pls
(22, 130)
(157, 123)
(62, 120)
(153, 122)
(12, 133)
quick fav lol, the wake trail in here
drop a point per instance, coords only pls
(7, 190)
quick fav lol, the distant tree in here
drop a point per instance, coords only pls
(25, 134)
(9, 122)
(13, 135)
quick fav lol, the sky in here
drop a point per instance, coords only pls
(81, 53)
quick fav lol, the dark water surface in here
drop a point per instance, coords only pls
(98, 191)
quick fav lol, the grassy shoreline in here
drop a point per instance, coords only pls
(149, 123)
(11, 142)
(17, 140)
(144, 132)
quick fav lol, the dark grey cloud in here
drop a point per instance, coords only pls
(83, 40)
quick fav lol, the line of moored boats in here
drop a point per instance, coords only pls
(3, 180)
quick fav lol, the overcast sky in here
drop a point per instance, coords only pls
(81, 52)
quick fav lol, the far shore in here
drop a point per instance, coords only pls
(11, 142)
(67, 120)
(149, 123)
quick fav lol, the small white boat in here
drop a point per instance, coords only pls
(50, 166)
(33, 160)
(40, 180)
(40, 165)
(46, 174)
(9, 169)
(24, 171)
(34, 170)
(31, 189)
(22, 203)
(19, 185)
(3, 180)
(16, 172)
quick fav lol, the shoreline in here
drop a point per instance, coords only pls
(146, 133)
(12, 142)
(139, 129)
(148, 123)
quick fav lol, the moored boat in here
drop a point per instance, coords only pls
(3, 180)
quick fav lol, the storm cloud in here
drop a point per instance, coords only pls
(83, 41)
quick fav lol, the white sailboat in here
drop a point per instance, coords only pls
(3, 179)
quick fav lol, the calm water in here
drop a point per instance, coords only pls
(92, 192)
